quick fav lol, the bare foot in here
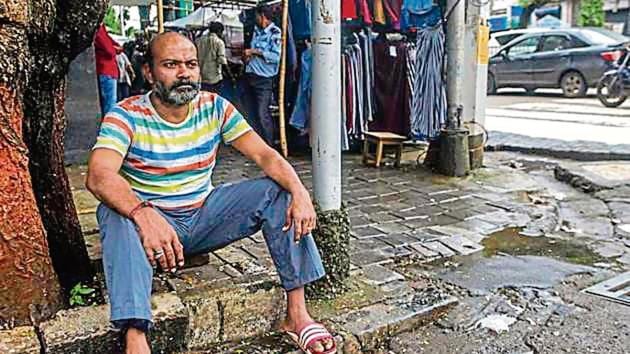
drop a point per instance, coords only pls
(296, 326)
(136, 342)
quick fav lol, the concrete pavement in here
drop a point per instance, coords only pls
(547, 123)
(411, 232)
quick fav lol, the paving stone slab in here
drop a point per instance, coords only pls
(610, 249)
(455, 231)
(367, 244)
(423, 236)
(438, 247)
(379, 275)
(398, 240)
(397, 252)
(366, 258)
(360, 221)
(463, 214)
(374, 325)
(425, 252)
(581, 208)
(410, 214)
(383, 218)
(393, 228)
(478, 226)
(505, 219)
(19, 340)
(239, 259)
(366, 232)
(461, 245)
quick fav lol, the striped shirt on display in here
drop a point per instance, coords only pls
(170, 164)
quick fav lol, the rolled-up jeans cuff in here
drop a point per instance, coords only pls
(137, 323)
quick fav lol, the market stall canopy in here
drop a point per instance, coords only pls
(132, 2)
(204, 15)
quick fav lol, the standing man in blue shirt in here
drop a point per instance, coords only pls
(263, 61)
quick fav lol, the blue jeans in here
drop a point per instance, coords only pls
(107, 87)
(226, 216)
(259, 92)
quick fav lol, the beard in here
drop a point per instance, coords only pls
(181, 92)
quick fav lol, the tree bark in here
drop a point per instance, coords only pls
(38, 39)
(29, 290)
(60, 30)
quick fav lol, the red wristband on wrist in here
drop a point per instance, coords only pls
(143, 204)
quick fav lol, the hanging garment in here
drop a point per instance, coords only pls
(367, 77)
(379, 12)
(391, 90)
(301, 114)
(429, 98)
(348, 10)
(364, 9)
(300, 13)
(414, 15)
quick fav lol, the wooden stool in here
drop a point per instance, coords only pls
(381, 139)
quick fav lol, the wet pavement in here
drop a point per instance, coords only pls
(508, 240)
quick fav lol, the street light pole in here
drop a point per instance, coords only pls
(454, 159)
(326, 104)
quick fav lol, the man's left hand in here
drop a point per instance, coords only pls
(301, 215)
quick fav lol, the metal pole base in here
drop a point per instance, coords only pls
(454, 158)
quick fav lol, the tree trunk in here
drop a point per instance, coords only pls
(52, 48)
(38, 39)
(29, 290)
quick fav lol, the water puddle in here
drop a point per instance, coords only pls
(509, 241)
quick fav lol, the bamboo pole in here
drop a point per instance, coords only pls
(283, 70)
(160, 15)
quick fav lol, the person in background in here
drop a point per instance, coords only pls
(125, 77)
(263, 61)
(105, 51)
(212, 58)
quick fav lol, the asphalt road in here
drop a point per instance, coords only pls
(547, 114)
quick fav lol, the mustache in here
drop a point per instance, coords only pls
(180, 83)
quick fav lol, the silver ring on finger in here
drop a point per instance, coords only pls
(158, 254)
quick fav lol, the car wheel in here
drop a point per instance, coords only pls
(573, 85)
(492, 85)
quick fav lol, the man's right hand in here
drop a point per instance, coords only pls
(159, 240)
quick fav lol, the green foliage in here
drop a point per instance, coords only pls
(533, 3)
(112, 21)
(79, 295)
(592, 13)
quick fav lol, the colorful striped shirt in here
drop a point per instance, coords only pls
(170, 164)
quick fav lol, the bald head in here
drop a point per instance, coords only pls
(165, 42)
(172, 68)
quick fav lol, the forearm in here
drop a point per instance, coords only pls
(279, 169)
(114, 191)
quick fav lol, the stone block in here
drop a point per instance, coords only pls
(366, 258)
(231, 314)
(367, 244)
(376, 324)
(88, 330)
(478, 226)
(398, 240)
(424, 252)
(89, 224)
(393, 228)
(366, 232)
(198, 276)
(442, 250)
(461, 245)
(379, 275)
(19, 340)
(450, 230)
(239, 259)
(383, 218)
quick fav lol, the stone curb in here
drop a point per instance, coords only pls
(574, 150)
(583, 180)
(205, 317)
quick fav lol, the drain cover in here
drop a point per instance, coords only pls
(615, 289)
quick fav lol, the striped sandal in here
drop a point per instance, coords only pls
(314, 332)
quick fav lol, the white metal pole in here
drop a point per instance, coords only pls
(455, 32)
(326, 103)
(122, 20)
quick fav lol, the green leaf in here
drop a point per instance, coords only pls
(86, 291)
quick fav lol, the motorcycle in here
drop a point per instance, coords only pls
(614, 86)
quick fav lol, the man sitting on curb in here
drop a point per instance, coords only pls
(151, 169)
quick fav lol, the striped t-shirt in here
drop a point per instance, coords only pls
(170, 164)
